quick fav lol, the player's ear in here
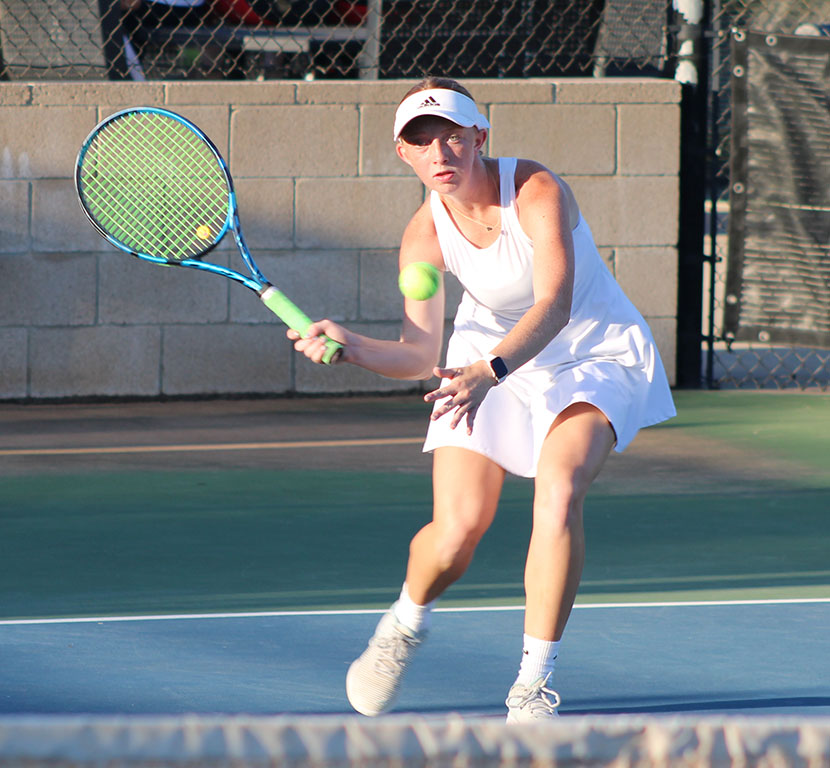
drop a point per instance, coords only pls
(400, 148)
(481, 138)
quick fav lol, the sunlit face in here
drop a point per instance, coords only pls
(440, 152)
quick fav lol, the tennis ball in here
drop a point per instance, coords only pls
(419, 281)
(203, 231)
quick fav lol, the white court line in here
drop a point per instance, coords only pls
(368, 441)
(377, 611)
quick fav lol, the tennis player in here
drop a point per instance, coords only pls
(548, 368)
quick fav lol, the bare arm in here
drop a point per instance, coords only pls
(415, 354)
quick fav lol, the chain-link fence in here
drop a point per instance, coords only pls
(759, 364)
(259, 39)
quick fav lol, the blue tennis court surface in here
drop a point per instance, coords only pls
(758, 658)
(223, 544)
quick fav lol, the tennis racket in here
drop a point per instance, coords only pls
(155, 186)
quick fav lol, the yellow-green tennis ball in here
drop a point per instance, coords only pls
(419, 281)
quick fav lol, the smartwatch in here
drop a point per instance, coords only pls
(498, 367)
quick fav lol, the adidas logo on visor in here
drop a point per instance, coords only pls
(430, 102)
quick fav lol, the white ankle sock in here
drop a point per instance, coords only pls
(412, 615)
(538, 659)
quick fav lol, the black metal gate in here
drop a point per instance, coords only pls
(766, 280)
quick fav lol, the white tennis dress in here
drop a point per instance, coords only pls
(605, 355)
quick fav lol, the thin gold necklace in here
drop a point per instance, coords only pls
(488, 227)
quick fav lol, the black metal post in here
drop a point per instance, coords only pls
(694, 158)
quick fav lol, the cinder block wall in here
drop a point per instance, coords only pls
(323, 201)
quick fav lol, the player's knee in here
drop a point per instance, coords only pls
(564, 485)
(557, 503)
(456, 546)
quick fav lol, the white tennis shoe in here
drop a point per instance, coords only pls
(374, 679)
(532, 703)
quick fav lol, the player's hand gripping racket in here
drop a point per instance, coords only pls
(155, 186)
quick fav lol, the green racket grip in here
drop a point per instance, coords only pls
(287, 311)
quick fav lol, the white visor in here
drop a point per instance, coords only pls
(440, 102)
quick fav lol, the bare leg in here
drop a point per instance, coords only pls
(466, 492)
(572, 456)
(466, 487)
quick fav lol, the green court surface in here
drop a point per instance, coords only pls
(273, 505)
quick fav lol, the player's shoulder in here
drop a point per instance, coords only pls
(421, 225)
(539, 187)
(534, 178)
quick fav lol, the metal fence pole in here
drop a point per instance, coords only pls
(369, 58)
(692, 72)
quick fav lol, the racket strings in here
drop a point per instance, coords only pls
(160, 219)
(176, 178)
(171, 204)
(174, 208)
(156, 186)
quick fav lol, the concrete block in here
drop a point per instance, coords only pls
(649, 278)
(229, 93)
(95, 361)
(664, 330)
(648, 139)
(632, 210)
(93, 94)
(511, 90)
(266, 210)
(380, 297)
(567, 139)
(311, 378)
(294, 141)
(350, 91)
(58, 223)
(321, 283)
(355, 213)
(609, 257)
(13, 361)
(377, 149)
(222, 359)
(42, 143)
(54, 289)
(617, 90)
(15, 94)
(14, 223)
(133, 292)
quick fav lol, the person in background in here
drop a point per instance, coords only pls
(166, 13)
(140, 17)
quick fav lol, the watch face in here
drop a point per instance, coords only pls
(499, 368)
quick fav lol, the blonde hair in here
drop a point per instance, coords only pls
(431, 81)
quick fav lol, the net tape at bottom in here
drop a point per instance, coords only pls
(403, 741)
